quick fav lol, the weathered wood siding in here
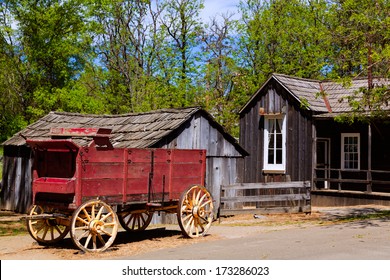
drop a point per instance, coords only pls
(287, 197)
(15, 189)
(275, 100)
(221, 155)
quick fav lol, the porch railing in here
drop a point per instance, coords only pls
(358, 180)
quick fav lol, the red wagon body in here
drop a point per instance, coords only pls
(74, 179)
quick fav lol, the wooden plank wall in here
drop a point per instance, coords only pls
(299, 136)
(288, 197)
(15, 192)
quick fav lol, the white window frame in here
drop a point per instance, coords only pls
(343, 152)
(274, 168)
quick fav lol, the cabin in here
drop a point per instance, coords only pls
(185, 128)
(290, 131)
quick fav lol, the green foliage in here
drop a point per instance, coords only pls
(288, 37)
(118, 56)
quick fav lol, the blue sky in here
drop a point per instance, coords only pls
(218, 7)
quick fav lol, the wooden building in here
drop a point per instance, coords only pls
(187, 128)
(288, 127)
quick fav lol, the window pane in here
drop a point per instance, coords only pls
(279, 156)
(277, 129)
(279, 141)
(271, 141)
(271, 156)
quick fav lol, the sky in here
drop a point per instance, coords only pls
(217, 7)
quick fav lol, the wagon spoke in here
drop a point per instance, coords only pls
(143, 219)
(189, 224)
(207, 202)
(94, 242)
(100, 213)
(105, 217)
(131, 219)
(86, 215)
(52, 232)
(105, 232)
(101, 239)
(57, 229)
(197, 197)
(89, 236)
(45, 232)
(203, 197)
(41, 226)
(83, 221)
(133, 223)
(110, 224)
(93, 212)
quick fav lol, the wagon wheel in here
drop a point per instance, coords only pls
(94, 226)
(135, 220)
(195, 211)
(46, 230)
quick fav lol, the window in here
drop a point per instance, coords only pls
(274, 144)
(350, 151)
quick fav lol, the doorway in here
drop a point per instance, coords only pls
(323, 162)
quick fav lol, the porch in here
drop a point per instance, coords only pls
(351, 163)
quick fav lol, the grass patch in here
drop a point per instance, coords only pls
(12, 228)
(301, 220)
(385, 214)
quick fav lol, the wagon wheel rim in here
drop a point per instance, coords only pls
(94, 226)
(134, 221)
(195, 211)
(46, 230)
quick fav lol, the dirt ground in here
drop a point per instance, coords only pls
(22, 247)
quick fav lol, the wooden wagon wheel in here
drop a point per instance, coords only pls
(195, 211)
(46, 230)
(137, 220)
(94, 226)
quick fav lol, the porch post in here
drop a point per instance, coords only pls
(314, 156)
(369, 177)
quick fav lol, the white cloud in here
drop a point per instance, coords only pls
(216, 8)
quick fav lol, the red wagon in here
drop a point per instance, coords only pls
(85, 186)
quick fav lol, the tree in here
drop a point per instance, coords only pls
(12, 77)
(289, 37)
(49, 51)
(361, 36)
(181, 23)
(219, 72)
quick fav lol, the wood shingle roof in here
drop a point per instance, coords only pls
(136, 130)
(321, 96)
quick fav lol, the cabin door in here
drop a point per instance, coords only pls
(323, 162)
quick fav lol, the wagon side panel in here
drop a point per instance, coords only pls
(138, 172)
(102, 174)
(188, 168)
